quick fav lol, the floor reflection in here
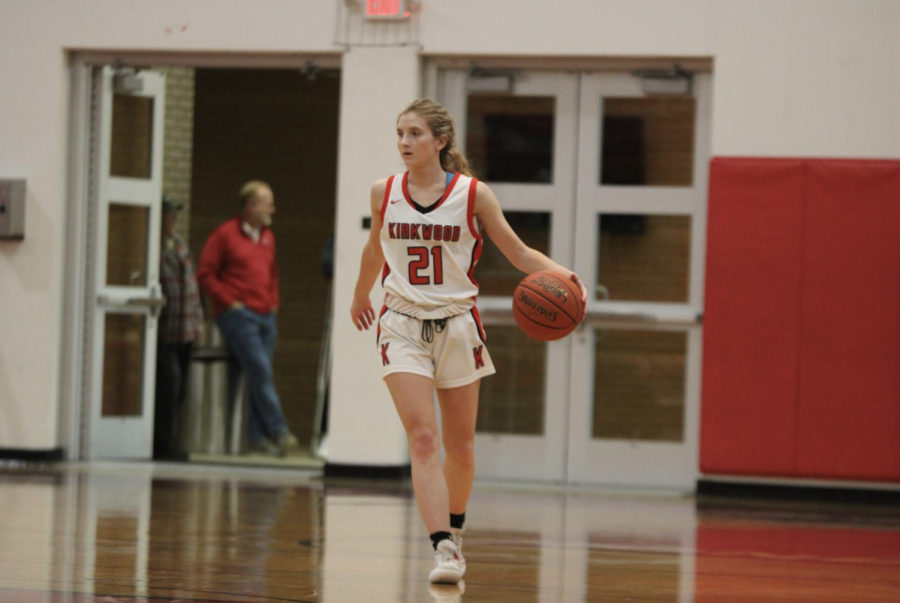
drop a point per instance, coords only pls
(141, 532)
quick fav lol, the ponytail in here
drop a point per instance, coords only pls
(453, 160)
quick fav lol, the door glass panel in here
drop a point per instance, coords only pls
(644, 257)
(648, 141)
(512, 401)
(510, 138)
(126, 253)
(132, 136)
(123, 365)
(639, 382)
(495, 275)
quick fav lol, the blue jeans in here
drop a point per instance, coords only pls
(251, 339)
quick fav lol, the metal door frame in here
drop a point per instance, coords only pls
(532, 457)
(584, 462)
(75, 366)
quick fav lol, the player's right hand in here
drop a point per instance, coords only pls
(362, 313)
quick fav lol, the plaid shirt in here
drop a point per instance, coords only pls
(183, 312)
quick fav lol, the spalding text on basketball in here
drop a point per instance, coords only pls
(550, 314)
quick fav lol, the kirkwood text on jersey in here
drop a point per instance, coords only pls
(423, 232)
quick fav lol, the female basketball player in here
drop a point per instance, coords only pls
(426, 237)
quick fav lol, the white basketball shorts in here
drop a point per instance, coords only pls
(452, 354)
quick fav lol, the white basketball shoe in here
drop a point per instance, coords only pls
(457, 540)
(447, 567)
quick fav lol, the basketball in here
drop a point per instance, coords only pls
(547, 305)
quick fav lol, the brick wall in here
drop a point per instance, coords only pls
(179, 141)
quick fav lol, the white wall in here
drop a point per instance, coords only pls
(376, 84)
(569, 27)
(215, 25)
(33, 145)
(791, 78)
(817, 78)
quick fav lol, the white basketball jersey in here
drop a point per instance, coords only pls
(430, 253)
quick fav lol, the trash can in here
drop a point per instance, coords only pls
(211, 429)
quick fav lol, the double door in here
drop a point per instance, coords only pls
(611, 181)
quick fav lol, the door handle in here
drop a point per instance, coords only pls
(607, 316)
(142, 302)
(146, 302)
(154, 303)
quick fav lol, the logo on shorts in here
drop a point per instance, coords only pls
(384, 358)
(479, 359)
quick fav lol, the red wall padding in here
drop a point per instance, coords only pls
(801, 370)
(850, 349)
(752, 317)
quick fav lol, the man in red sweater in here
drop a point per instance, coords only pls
(237, 269)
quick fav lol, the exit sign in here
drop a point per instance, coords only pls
(387, 9)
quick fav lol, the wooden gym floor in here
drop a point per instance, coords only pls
(120, 532)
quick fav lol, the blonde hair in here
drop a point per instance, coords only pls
(251, 189)
(441, 124)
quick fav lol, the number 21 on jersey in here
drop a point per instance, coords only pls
(421, 263)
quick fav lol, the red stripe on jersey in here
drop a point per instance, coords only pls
(378, 332)
(387, 194)
(479, 240)
(476, 255)
(385, 272)
(470, 209)
(477, 318)
(447, 190)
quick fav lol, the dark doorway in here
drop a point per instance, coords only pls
(280, 126)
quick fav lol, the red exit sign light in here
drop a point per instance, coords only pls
(387, 9)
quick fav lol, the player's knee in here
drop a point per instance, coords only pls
(423, 443)
(462, 452)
